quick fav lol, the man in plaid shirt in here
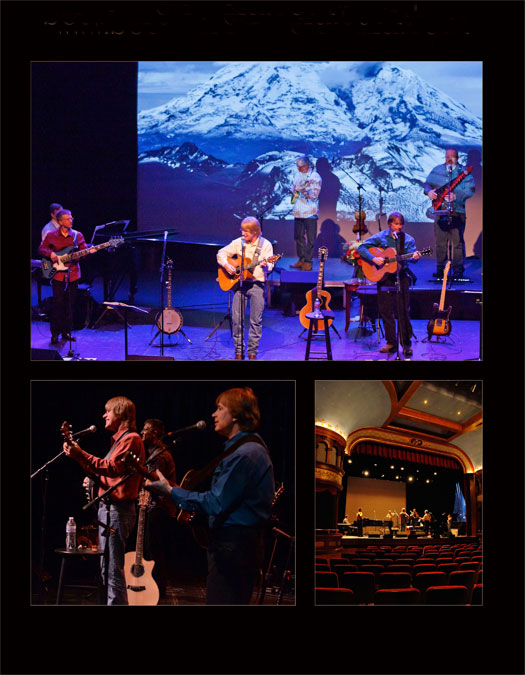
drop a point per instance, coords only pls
(307, 184)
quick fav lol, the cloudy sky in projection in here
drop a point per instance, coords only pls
(160, 81)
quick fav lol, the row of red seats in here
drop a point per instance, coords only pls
(434, 595)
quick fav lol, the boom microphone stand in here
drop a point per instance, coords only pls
(242, 299)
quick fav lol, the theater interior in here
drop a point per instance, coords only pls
(386, 449)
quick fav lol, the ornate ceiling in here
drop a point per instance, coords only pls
(441, 410)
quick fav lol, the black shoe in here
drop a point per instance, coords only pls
(54, 340)
(67, 336)
(407, 351)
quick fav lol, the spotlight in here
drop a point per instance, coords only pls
(391, 466)
(410, 479)
(427, 480)
(365, 473)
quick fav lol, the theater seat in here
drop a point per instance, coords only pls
(446, 595)
(477, 595)
(463, 578)
(397, 596)
(424, 580)
(362, 584)
(343, 569)
(337, 561)
(394, 580)
(334, 596)
(326, 580)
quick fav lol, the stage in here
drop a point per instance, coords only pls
(205, 330)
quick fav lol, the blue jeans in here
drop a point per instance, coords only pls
(305, 230)
(252, 292)
(122, 518)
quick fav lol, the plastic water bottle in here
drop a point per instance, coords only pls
(71, 534)
(317, 309)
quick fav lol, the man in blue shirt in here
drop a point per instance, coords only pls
(450, 225)
(393, 237)
(238, 503)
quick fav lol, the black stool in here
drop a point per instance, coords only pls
(84, 554)
(313, 321)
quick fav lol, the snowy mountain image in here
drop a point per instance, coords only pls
(246, 125)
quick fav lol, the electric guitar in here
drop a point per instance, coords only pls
(375, 272)
(50, 268)
(317, 293)
(141, 587)
(169, 320)
(439, 324)
(228, 281)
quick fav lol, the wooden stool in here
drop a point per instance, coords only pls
(313, 321)
(84, 554)
(350, 287)
(366, 294)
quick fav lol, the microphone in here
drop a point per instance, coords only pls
(394, 234)
(200, 426)
(84, 432)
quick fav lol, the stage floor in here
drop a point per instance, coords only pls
(204, 306)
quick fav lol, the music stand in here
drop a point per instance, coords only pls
(114, 305)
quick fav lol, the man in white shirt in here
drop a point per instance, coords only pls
(255, 248)
(52, 225)
(306, 188)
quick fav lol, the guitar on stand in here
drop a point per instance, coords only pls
(141, 587)
(319, 294)
(440, 324)
(169, 320)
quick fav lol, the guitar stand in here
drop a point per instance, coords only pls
(291, 542)
(170, 334)
(226, 317)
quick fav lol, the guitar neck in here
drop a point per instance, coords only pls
(140, 535)
(79, 254)
(169, 287)
(443, 290)
(320, 278)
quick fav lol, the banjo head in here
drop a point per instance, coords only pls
(169, 320)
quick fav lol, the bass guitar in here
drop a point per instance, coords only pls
(65, 256)
(169, 320)
(444, 190)
(228, 281)
(439, 324)
(141, 587)
(317, 293)
(375, 272)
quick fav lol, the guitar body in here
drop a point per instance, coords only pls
(191, 480)
(49, 268)
(311, 296)
(374, 273)
(439, 324)
(228, 281)
(67, 254)
(141, 586)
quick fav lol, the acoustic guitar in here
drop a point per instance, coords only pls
(375, 272)
(317, 293)
(67, 254)
(169, 320)
(141, 586)
(439, 324)
(228, 281)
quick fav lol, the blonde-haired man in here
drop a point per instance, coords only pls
(117, 512)
(255, 248)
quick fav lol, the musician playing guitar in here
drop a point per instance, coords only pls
(161, 512)
(64, 284)
(404, 244)
(254, 247)
(450, 217)
(238, 503)
(120, 504)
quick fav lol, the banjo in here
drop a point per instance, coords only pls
(169, 320)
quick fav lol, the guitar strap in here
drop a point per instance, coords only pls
(257, 253)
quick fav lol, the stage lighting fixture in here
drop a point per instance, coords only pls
(410, 478)
(365, 473)
(391, 466)
(427, 480)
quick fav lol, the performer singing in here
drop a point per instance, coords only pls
(64, 284)
(255, 247)
(160, 514)
(305, 190)
(238, 503)
(450, 227)
(120, 504)
(393, 237)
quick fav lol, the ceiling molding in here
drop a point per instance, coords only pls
(405, 439)
(397, 405)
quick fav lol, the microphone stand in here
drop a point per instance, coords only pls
(242, 299)
(67, 290)
(162, 263)
(360, 199)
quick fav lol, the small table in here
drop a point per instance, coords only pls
(351, 287)
(82, 553)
